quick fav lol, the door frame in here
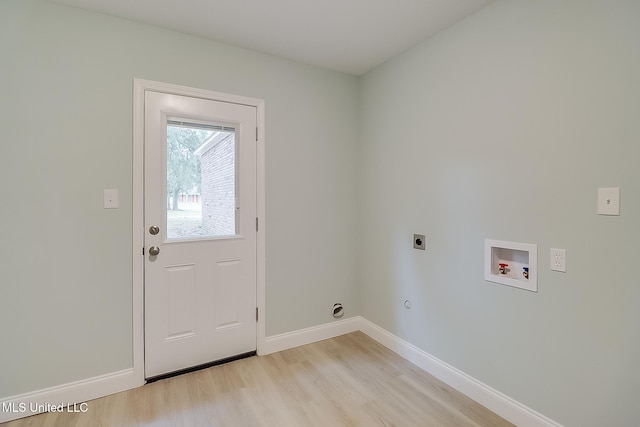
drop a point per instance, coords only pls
(139, 88)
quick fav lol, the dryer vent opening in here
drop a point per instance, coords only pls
(338, 310)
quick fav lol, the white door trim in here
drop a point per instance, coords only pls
(139, 88)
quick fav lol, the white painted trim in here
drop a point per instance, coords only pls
(197, 93)
(492, 399)
(261, 279)
(69, 394)
(138, 230)
(310, 335)
(506, 407)
(140, 86)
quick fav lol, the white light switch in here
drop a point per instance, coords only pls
(111, 199)
(608, 201)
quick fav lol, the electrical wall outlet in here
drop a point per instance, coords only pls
(559, 260)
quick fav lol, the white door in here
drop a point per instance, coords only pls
(200, 231)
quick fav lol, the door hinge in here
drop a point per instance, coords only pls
(256, 314)
(256, 133)
(256, 224)
(143, 250)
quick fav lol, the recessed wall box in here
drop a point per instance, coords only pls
(511, 263)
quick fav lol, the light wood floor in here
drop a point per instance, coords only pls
(350, 380)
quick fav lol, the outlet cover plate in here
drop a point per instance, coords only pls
(609, 201)
(111, 198)
(558, 260)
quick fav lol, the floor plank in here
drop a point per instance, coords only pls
(349, 380)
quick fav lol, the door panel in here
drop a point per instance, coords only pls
(227, 298)
(200, 193)
(181, 298)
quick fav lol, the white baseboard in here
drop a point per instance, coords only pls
(93, 388)
(19, 406)
(66, 396)
(506, 407)
(310, 335)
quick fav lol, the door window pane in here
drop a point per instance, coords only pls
(201, 180)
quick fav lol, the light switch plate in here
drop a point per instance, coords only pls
(608, 201)
(111, 199)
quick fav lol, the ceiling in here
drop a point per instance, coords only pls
(351, 36)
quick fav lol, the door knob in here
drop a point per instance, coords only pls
(154, 229)
(154, 250)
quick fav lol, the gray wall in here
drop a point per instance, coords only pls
(66, 120)
(503, 127)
